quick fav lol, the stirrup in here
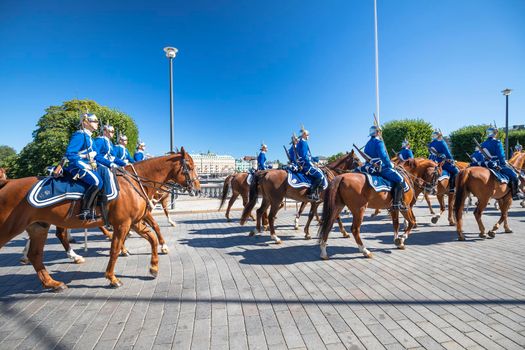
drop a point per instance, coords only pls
(87, 215)
(399, 206)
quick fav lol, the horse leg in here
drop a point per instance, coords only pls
(410, 223)
(451, 221)
(398, 241)
(323, 243)
(259, 212)
(482, 204)
(37, 236)
(106, 232)
(298, 215)
(165, 204)
(153, 223)
(342, 227)
(245, 200)
(274, 208)
(146, 233)
(375, 213)
(24, 260)
(441, 199)
(119, 234)
(230, 204)
(504, 205)
(427, 198)
(61, 234)
(313, 209)
(358, 216)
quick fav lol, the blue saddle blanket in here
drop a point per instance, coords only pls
(502, 178)
(299, 180)
(444, 175)
(50, 190)
(380, 184)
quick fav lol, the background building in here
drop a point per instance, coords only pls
(213, 164)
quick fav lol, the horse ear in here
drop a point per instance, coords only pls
(182, 151)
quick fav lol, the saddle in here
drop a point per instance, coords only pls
(300, 180)
(380, 184)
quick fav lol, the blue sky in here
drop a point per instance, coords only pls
(252, 71)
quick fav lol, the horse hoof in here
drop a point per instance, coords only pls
(492, 234)
(252, 233)
(461, 238)
(307, 237)
(24, 261)
(434, 220)
(369, 256)
(60, 288)
(116, 284)
(451, 224)
(345, 235)
(482, 235)
(154, 272)
(266, 228)
(509, 231)
(72, 240)
(80, 260)
(325, 257)
(172, 224)
(228, 220)
(296, 228)
(164, 250)
(125, 253)
(278, 242)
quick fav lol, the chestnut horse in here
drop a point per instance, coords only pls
(125, 212)
(483, 185)
(352, 190)
(274, 187)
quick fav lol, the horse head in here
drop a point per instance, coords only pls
(187, 170)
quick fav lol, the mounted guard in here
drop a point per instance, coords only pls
(292, 154)
(121, 151)
(261, 159)
(305, 162)
(139, 153)
(518, 147)
(378, 163)
(495, 159)
(440, 154)
(106, 149)
(477, 158)
(405, 153)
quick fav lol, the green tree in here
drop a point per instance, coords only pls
(462, 140)
(417, 131)
(6, 154)
(334, 157)
(54, 130)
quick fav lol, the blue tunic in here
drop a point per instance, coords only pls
(138, 156)
(495, 149)
(122, 153)
(477, 159)
(82, 155)
(261, 161)
(376, 150)
(406, 153)
(440, 147)
(305, 161)
(106, 152)
(291, 152)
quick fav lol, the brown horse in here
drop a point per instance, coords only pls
(125, 212)
(238, 183)
(442, 191)
(483, 185)
(352, 190)
(274, 187)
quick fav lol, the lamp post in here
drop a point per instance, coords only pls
(171, 52)
(506, 93)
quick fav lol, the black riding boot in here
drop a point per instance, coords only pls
(397, 197)
(313, 193)
(87, 212)
(452, 184)
(103, 202)
(514, 187)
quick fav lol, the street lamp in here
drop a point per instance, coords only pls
(506, 93)
(171, 52)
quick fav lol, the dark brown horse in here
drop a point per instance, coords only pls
(273, 186)
(352, 190)
(125, 212)
(238, 183)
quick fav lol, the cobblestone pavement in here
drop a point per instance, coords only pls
(220, 289)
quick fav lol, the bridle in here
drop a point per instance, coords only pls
(189, 183)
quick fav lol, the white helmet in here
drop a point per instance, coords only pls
(405, 143)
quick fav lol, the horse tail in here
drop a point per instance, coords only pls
(254, 193)
(225, 189)
(329, 208)
(461, 191)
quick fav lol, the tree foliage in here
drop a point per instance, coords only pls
(54, 130)
(462, 140)
(417, 131)
(6, 155)
(335, 157)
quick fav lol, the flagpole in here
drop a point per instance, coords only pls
(377, 62)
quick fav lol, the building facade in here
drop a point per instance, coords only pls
(211, 163)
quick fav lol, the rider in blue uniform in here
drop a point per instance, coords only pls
(306, 166)
(406, 152)
(494, 149)
(439, 152)
(518, 147)
(292, 154)
(106, 149)
(261, 159)
(121, 151)
(82, 163)
(139, 153)
(477, 158)
(380, 163)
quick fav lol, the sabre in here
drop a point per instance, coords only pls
(287, 154)
(363, 154)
